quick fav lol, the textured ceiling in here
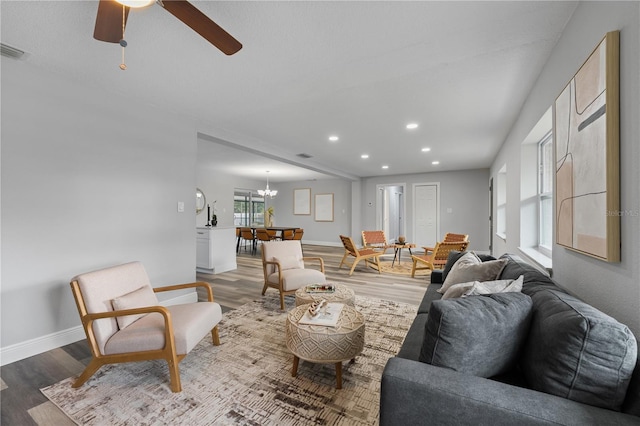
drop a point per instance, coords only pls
(308, 70)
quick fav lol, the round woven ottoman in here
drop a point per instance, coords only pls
(343, 294)
(325, 344)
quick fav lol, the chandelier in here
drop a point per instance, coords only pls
(267, 192)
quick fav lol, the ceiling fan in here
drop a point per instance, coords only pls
(112, 17)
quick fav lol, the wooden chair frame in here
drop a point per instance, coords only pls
(366, 254)
(439, 256)
(168, 353)
(449, 237)
(280, 284)
(375, 240)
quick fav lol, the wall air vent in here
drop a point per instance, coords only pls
(303, 155)
(10, 52)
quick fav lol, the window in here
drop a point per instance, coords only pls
(501, 202)
(248, 208)
(545, 194)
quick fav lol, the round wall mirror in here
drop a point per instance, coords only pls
(201, 201)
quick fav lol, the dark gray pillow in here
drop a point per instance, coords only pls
(477, 335)
(577, 352)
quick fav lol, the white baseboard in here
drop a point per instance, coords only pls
(51, 341)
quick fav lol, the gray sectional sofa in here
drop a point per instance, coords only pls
(562, 361)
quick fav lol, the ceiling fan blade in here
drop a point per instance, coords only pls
(109, 21)
(200, 23)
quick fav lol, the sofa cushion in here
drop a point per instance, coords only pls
(140, 298)
(577, 352)
(412, 344)
(470, 268)
(429, 296)
(478, 335)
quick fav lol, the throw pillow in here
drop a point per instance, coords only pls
(457, 290)
(577, 352)
(452, 258)
(144, 296)
(289, 262)
(486, 287)
(480, 335)
(498, 286)
(466, 258)
(469, 268)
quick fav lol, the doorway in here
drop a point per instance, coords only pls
(390, 213)
(426, 217)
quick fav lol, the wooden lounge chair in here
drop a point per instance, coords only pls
(449, 237)
(124, 322)
(284, 269)
(375, 240)
(438, 257)
(370, 256)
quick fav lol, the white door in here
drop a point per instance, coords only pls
(426, 214)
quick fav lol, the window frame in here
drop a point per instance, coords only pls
(545, 190)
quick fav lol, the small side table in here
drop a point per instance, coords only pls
(323, 344)
(397, 251)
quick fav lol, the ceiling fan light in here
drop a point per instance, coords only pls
(136, 3)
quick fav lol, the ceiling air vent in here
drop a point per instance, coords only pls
(10, 52)
(303, 155)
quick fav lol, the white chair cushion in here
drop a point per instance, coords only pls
(142, 297)
(289, 262)
(280, 250)
(191, 322)
(293, 279)
(100, 287)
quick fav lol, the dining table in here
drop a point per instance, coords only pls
(280, 229)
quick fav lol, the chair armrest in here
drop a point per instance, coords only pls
(304, 259)
(276, 264)
(124, 312)
(202, 284)
(447, 397)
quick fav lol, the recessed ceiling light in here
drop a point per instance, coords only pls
(426, 149)
(385, 167)
(333, 138)
(435, 163)
(411, 126)
(365, 156)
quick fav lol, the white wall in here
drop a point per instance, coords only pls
(612, 287)
(465, 193)
(89, 179)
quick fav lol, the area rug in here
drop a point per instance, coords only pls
(247, 379)
(401, 268)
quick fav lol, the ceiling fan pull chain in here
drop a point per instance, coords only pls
(123, 42)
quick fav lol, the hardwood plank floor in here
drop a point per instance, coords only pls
(22, 403)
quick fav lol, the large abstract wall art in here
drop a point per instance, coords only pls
(587, 132)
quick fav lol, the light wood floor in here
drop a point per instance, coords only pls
(22, 403)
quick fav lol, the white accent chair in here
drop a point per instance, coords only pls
(124, 322)
(283, 266)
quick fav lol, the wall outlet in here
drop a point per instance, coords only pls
(180, 206)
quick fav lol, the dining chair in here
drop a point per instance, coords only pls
(247, 235)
